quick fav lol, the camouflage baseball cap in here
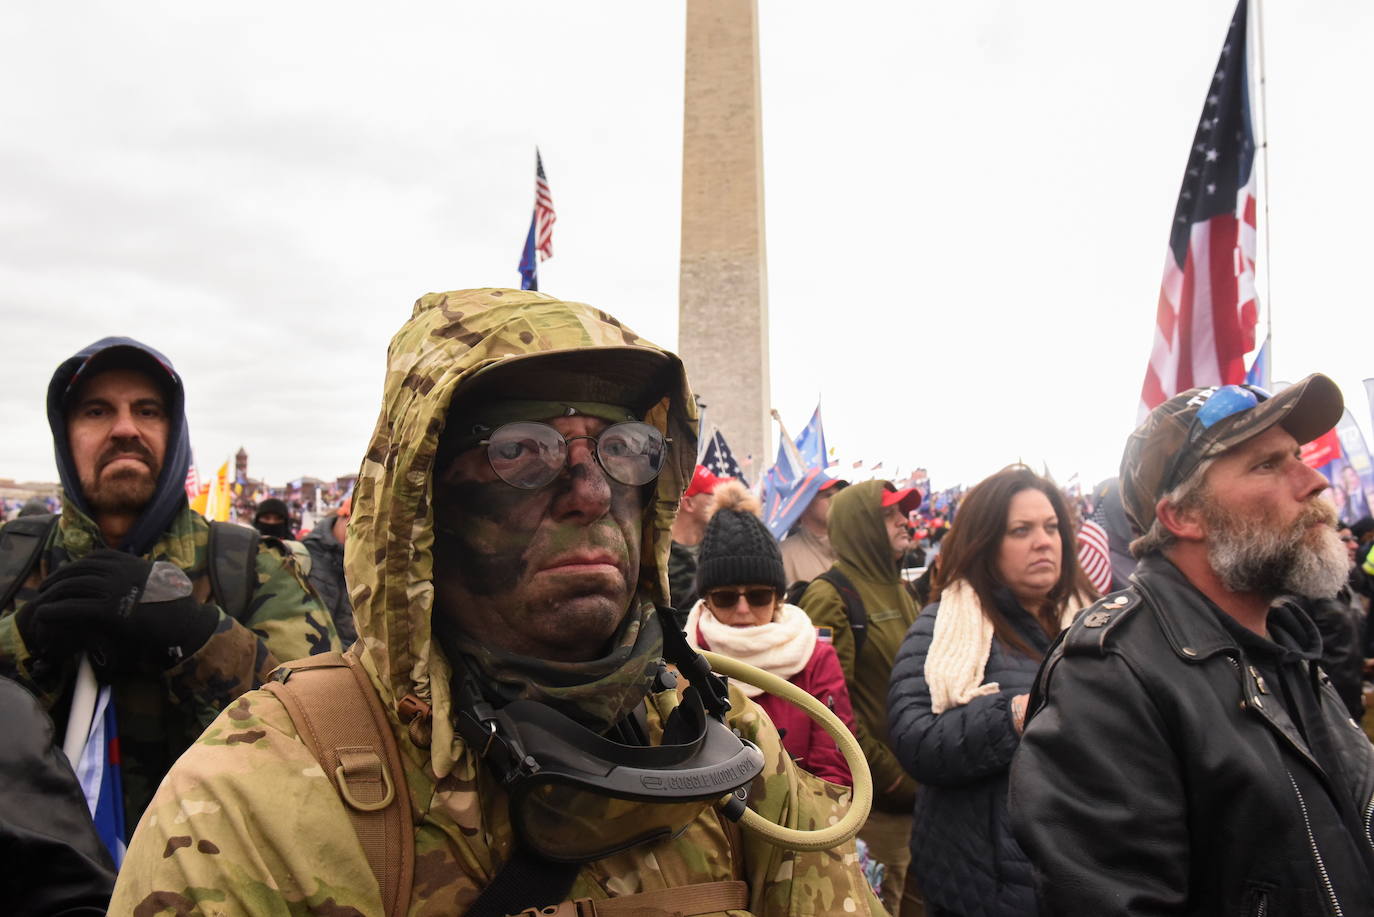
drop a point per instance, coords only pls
(1174, 440)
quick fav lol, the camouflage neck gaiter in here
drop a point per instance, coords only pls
(596, 694)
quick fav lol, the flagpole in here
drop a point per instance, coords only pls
(783, 429)
(1264, 155)
(84, 695)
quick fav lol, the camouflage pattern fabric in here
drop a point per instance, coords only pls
(159, 717)
(247, 822)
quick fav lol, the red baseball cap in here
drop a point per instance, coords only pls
(703, 482)
(908, 498)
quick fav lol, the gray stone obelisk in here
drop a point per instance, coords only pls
(723, 286)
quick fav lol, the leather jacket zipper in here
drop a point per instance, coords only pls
(1369, 822)
(1261, 905)
(1317, 854)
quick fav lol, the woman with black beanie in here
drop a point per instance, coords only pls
(742, 615)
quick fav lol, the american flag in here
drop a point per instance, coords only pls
(544, 217)
(719, 460)
(192, 483)
(539, 240)
(1207, 306)
(1094, 555)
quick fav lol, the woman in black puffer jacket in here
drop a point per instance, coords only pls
(1009, 580)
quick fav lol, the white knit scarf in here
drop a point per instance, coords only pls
(782, 647)
(958, 655)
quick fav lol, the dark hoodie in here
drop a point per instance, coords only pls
(859, 537)
(170, 496)
(160, 713)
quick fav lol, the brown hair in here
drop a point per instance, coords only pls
(969, 552)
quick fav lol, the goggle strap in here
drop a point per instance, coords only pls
(715, 695)
(477, 724)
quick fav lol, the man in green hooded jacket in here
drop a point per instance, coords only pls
(869, 533)
(171, 656)
(507, 548)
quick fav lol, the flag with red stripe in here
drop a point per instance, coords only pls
(1094, 555)
(544, 217)
(1205, 324)
(539, 240)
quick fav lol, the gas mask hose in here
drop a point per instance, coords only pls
(861, 800)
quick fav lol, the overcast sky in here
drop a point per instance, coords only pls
(967, 204)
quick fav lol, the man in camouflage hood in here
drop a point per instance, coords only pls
(540, 591)
(173, 660)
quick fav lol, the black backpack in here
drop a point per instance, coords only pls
(233, 560)
(853, 604)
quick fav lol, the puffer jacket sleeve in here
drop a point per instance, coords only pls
(286, 621)
(959, 746)
(1107, 833)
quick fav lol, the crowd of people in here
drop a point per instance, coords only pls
(476, 686)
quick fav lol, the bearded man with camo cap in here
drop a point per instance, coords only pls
(507, 560)
(1183, 753)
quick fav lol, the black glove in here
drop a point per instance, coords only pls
(105, 604)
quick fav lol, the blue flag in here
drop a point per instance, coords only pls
(785, 499)
(539, 241)
(529, 262)
(1259, 370)
(98, 771)
(796, 477)
(811, 442)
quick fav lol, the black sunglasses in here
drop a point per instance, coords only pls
(729, 598)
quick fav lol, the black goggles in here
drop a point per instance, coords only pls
(529, 454)
(1219, 404)
(577, 796)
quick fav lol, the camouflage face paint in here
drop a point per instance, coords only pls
(480, 537)
(547, 571)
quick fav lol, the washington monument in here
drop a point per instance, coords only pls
(723, 286)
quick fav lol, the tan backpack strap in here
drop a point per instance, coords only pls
(326, 696)
(684, 901)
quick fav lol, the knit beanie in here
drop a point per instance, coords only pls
(737, 549)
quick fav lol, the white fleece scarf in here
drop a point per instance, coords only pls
(958, 655)
(782, 647)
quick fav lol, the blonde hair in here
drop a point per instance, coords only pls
(733, 495)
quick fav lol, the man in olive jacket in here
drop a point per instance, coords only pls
(868, 530)
(1184, 753)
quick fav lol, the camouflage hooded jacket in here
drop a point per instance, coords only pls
(247, 822)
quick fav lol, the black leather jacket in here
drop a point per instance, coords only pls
(55, 865)
(1158, 774)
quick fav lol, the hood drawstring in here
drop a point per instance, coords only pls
(418, 719)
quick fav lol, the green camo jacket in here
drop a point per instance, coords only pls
(247, 823)
(160, 716)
